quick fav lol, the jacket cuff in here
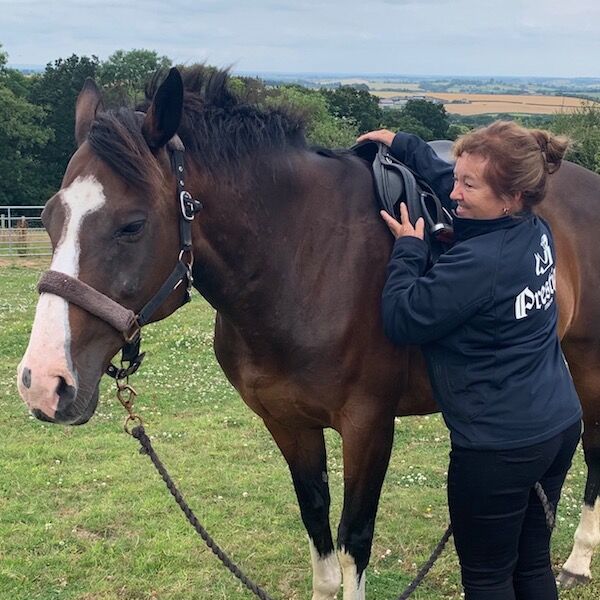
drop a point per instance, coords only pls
(409, 244)
(414, 249)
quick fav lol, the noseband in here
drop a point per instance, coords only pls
(123, 319)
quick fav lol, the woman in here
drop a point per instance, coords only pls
(486, 317)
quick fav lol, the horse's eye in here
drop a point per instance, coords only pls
(131, 229)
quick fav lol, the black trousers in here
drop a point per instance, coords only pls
(500, 531)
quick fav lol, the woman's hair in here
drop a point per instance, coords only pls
(518, 159)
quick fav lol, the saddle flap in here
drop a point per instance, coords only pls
(394, 183)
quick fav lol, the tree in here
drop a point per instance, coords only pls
(56, 92)
(347, 102)
(18, 83)
(433, 116)
(455, 130)
(397, 120)
(583, 127)
(22, 135)
(251, 89)
(14, 80)
(125, 74)
(322, 127)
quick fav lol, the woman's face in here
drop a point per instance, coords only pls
(474, 196)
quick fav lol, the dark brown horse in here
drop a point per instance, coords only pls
(291, 252)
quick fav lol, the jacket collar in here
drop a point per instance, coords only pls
(468, 228)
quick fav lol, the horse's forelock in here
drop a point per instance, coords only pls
(116, 137)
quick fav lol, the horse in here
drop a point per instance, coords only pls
(290, 251)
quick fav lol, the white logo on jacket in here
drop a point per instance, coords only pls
(542, 298)
(543, 263)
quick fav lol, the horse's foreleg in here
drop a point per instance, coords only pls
(304, 451)
(587, 536)
(367, 448)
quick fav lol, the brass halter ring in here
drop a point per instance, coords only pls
(126, 396)
(131, 419)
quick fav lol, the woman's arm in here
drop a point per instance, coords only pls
(419, 307)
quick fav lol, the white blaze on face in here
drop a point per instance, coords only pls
(354, 588)
(47, 357)
(327, 577)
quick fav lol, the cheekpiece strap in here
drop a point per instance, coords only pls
(187, 205)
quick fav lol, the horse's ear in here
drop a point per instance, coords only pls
(89, 102)
(164, 115)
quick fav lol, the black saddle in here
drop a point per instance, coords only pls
(394, 183)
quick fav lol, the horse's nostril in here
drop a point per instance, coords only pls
(66, 392)
(38, 414)
(26, 377)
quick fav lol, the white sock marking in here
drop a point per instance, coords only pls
(354, 588)
(587, 537)
(327, 576)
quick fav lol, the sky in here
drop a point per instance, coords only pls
(550, 38)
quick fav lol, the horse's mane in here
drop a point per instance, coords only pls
(219, 127)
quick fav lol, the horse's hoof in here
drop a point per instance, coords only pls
(567, 580)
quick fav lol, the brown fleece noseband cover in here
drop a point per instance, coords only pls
(80, 293)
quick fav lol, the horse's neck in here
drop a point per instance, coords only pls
(242, 225)
(300, 226)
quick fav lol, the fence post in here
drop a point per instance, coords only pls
(21, 227)
(10, 241)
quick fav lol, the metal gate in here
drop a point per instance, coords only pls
(22, 232)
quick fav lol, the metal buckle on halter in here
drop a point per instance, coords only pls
(189, 206)
(130, 335)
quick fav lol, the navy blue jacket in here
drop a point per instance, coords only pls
(485, 315)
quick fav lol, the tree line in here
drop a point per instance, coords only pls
(37, 113)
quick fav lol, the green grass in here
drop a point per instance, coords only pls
(84, 516)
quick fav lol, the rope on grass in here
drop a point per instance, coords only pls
(139, 433)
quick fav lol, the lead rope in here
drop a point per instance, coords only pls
(416, 582)
(126, 396)
(139, 433)
(550, 522)
(547, 506)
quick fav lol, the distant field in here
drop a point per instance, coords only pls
(500, 103)
(374, 86)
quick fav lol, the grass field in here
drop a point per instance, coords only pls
(84, 517)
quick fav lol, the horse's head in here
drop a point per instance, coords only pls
(114, 226)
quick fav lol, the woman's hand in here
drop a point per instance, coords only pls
(404, 227)
(385, 136)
